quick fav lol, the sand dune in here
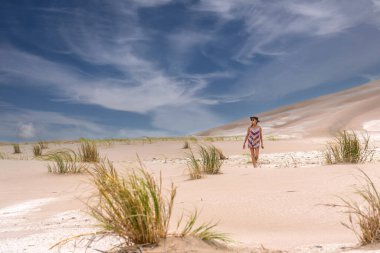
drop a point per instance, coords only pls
(357, 108)
(279, 205)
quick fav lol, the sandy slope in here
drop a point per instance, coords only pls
(279, 205)
(357, 108)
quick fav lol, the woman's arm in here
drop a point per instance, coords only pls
(261, 138)
(246, 137)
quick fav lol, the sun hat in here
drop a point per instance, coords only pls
(254, 117)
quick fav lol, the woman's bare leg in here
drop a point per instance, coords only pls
(253, 157)
(256, 153)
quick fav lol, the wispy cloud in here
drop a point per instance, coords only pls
(268, 23)
(26, 131)
(32, 124)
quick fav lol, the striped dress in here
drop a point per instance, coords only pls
(254, 137)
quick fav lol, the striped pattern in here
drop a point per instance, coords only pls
(254, 138)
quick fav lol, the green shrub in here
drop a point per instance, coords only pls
(347, 148)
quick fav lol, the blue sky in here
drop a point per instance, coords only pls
(113, 69)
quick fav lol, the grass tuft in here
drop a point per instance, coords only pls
(210, 159)
(347, 148)
(204, 231)
(186, 145)
(193, 166)
(16, 148)
(364, 216)
(37, 150)
(131, 207)
(64, 161)
(43, 144)
(134, 208)
(88, 152)
(3, 156)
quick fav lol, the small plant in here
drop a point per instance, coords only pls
(209, 163)
(43, 145)
(65, 161)
(194, 167)
(272, 138)
(210, 159)
(88, 152)
(132, 207)
(221, 155)
(364, 217)
(16, 148)
(347, 148)
(3, 156)
(204, 232)
(186, 145)
(37, 150)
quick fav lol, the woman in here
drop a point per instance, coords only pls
(255, 138)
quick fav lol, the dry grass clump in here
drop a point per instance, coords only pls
(88, 152)
(194, 167)
(16, 148)
(210, 159)
(3, 156)
(210, 162)
(204, 231)
(132, 207)
(43, 144)
(37, 150)
(364, 216)
(65, 161)
(347, 148)
(186, 145)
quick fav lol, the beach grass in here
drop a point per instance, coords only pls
(64, 161)
(347, 148)
(37, 150)
(364, 213)
(88, 152)
(43, 144)
(16, 148)
(3, 156)
(193, 166)
(186, 145)
(132, 207)
(205, 231)
(210, 159)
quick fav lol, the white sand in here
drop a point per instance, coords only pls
(277, 205)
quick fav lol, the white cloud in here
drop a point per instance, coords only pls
(268, 22)
(185, 119)
(152, 90)
(26, 131)
(136, 133)
(48, 125)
